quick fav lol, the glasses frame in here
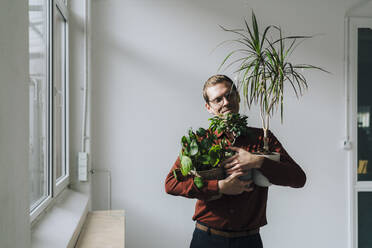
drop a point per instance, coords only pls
(228, 96)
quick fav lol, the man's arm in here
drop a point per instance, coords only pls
(184, 185)
(286, 172)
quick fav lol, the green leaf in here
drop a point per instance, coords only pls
(205, 159)
(194, 148)
(186, 165)
(201, 132)
(204, 144)
(185, 170)
(184, 140)
(175, 174)
(198, 182)
(186, 152)
(216, 162)
(191, 133)
(215, 149)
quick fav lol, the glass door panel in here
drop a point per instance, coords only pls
(364, 166)
(361, 37)
(364, 220)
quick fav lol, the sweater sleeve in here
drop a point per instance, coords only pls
(184, 185)
(286, 172)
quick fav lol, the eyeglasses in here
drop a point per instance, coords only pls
(228, 95)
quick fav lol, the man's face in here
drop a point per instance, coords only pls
(222, 100)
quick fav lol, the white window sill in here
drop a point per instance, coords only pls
(61, 225)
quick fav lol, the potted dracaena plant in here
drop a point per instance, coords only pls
(263, 66)
(202, 151)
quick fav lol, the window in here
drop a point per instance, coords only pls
(60, 89)
(360, 74)
(48, 96)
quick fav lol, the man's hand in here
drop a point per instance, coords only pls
(242, 161)
(232, 185)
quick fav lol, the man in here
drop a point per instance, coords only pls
(234, 219)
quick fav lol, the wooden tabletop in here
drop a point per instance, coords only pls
(103, 229)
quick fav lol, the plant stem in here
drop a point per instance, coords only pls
(265, 126)
(266, 138)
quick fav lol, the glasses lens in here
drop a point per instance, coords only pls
(228, 96)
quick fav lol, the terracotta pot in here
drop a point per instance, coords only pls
(215, 173)
(258, 178)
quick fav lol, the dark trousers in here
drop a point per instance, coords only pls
(202, 239)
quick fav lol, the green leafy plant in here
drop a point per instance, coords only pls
(200, 151)
(263, 67)
(232, 123)
(203, 150)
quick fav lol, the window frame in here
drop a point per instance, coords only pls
(54, 187)
(356, 186)
(64, 181)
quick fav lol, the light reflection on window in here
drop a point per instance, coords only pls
(362, 166)
(363, 116)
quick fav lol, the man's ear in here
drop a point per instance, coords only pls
(208, 107)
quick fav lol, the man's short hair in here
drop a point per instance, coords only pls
(217, 79)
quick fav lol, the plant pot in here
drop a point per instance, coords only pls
(211, 174)
(246, 177)
(258, 178)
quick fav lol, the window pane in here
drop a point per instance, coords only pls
(59, 94)
(38, 101)
(364, 219)
(364, 166)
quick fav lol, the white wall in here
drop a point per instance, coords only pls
(149, 62)
(14, 194)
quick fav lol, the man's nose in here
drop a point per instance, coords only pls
(226, 101)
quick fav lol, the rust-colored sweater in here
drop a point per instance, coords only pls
(245, 211)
